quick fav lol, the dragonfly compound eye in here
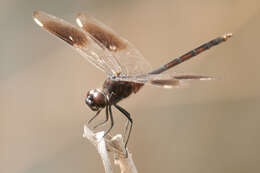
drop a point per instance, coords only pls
(95, 99)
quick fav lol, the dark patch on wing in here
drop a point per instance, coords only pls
(183, 77)
(70, 34)
(170, 82)
(107, 38)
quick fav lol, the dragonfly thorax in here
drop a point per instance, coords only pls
(96, 99)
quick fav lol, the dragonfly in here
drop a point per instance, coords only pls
(126, 69)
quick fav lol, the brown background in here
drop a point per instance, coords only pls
(208, 127)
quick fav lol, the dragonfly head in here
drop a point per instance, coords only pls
(95, 99)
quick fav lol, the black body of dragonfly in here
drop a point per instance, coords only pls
(126, 69)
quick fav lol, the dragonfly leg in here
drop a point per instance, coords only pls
(126, 128)
(109, 113)
(89, 121)
(127, 115)
(102, 123)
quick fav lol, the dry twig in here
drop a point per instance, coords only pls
(114, 145)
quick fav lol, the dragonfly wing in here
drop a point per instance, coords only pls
(163, 80)
(132, 61)
(83, 42)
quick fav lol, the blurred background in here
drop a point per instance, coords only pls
(210, 126)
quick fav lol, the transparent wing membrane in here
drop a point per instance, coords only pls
(131, 60)
(164, 80)
(84, 43)
(114, 55)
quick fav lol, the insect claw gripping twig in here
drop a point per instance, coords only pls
(114, 145)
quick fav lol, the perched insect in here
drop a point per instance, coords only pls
(127, 71)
